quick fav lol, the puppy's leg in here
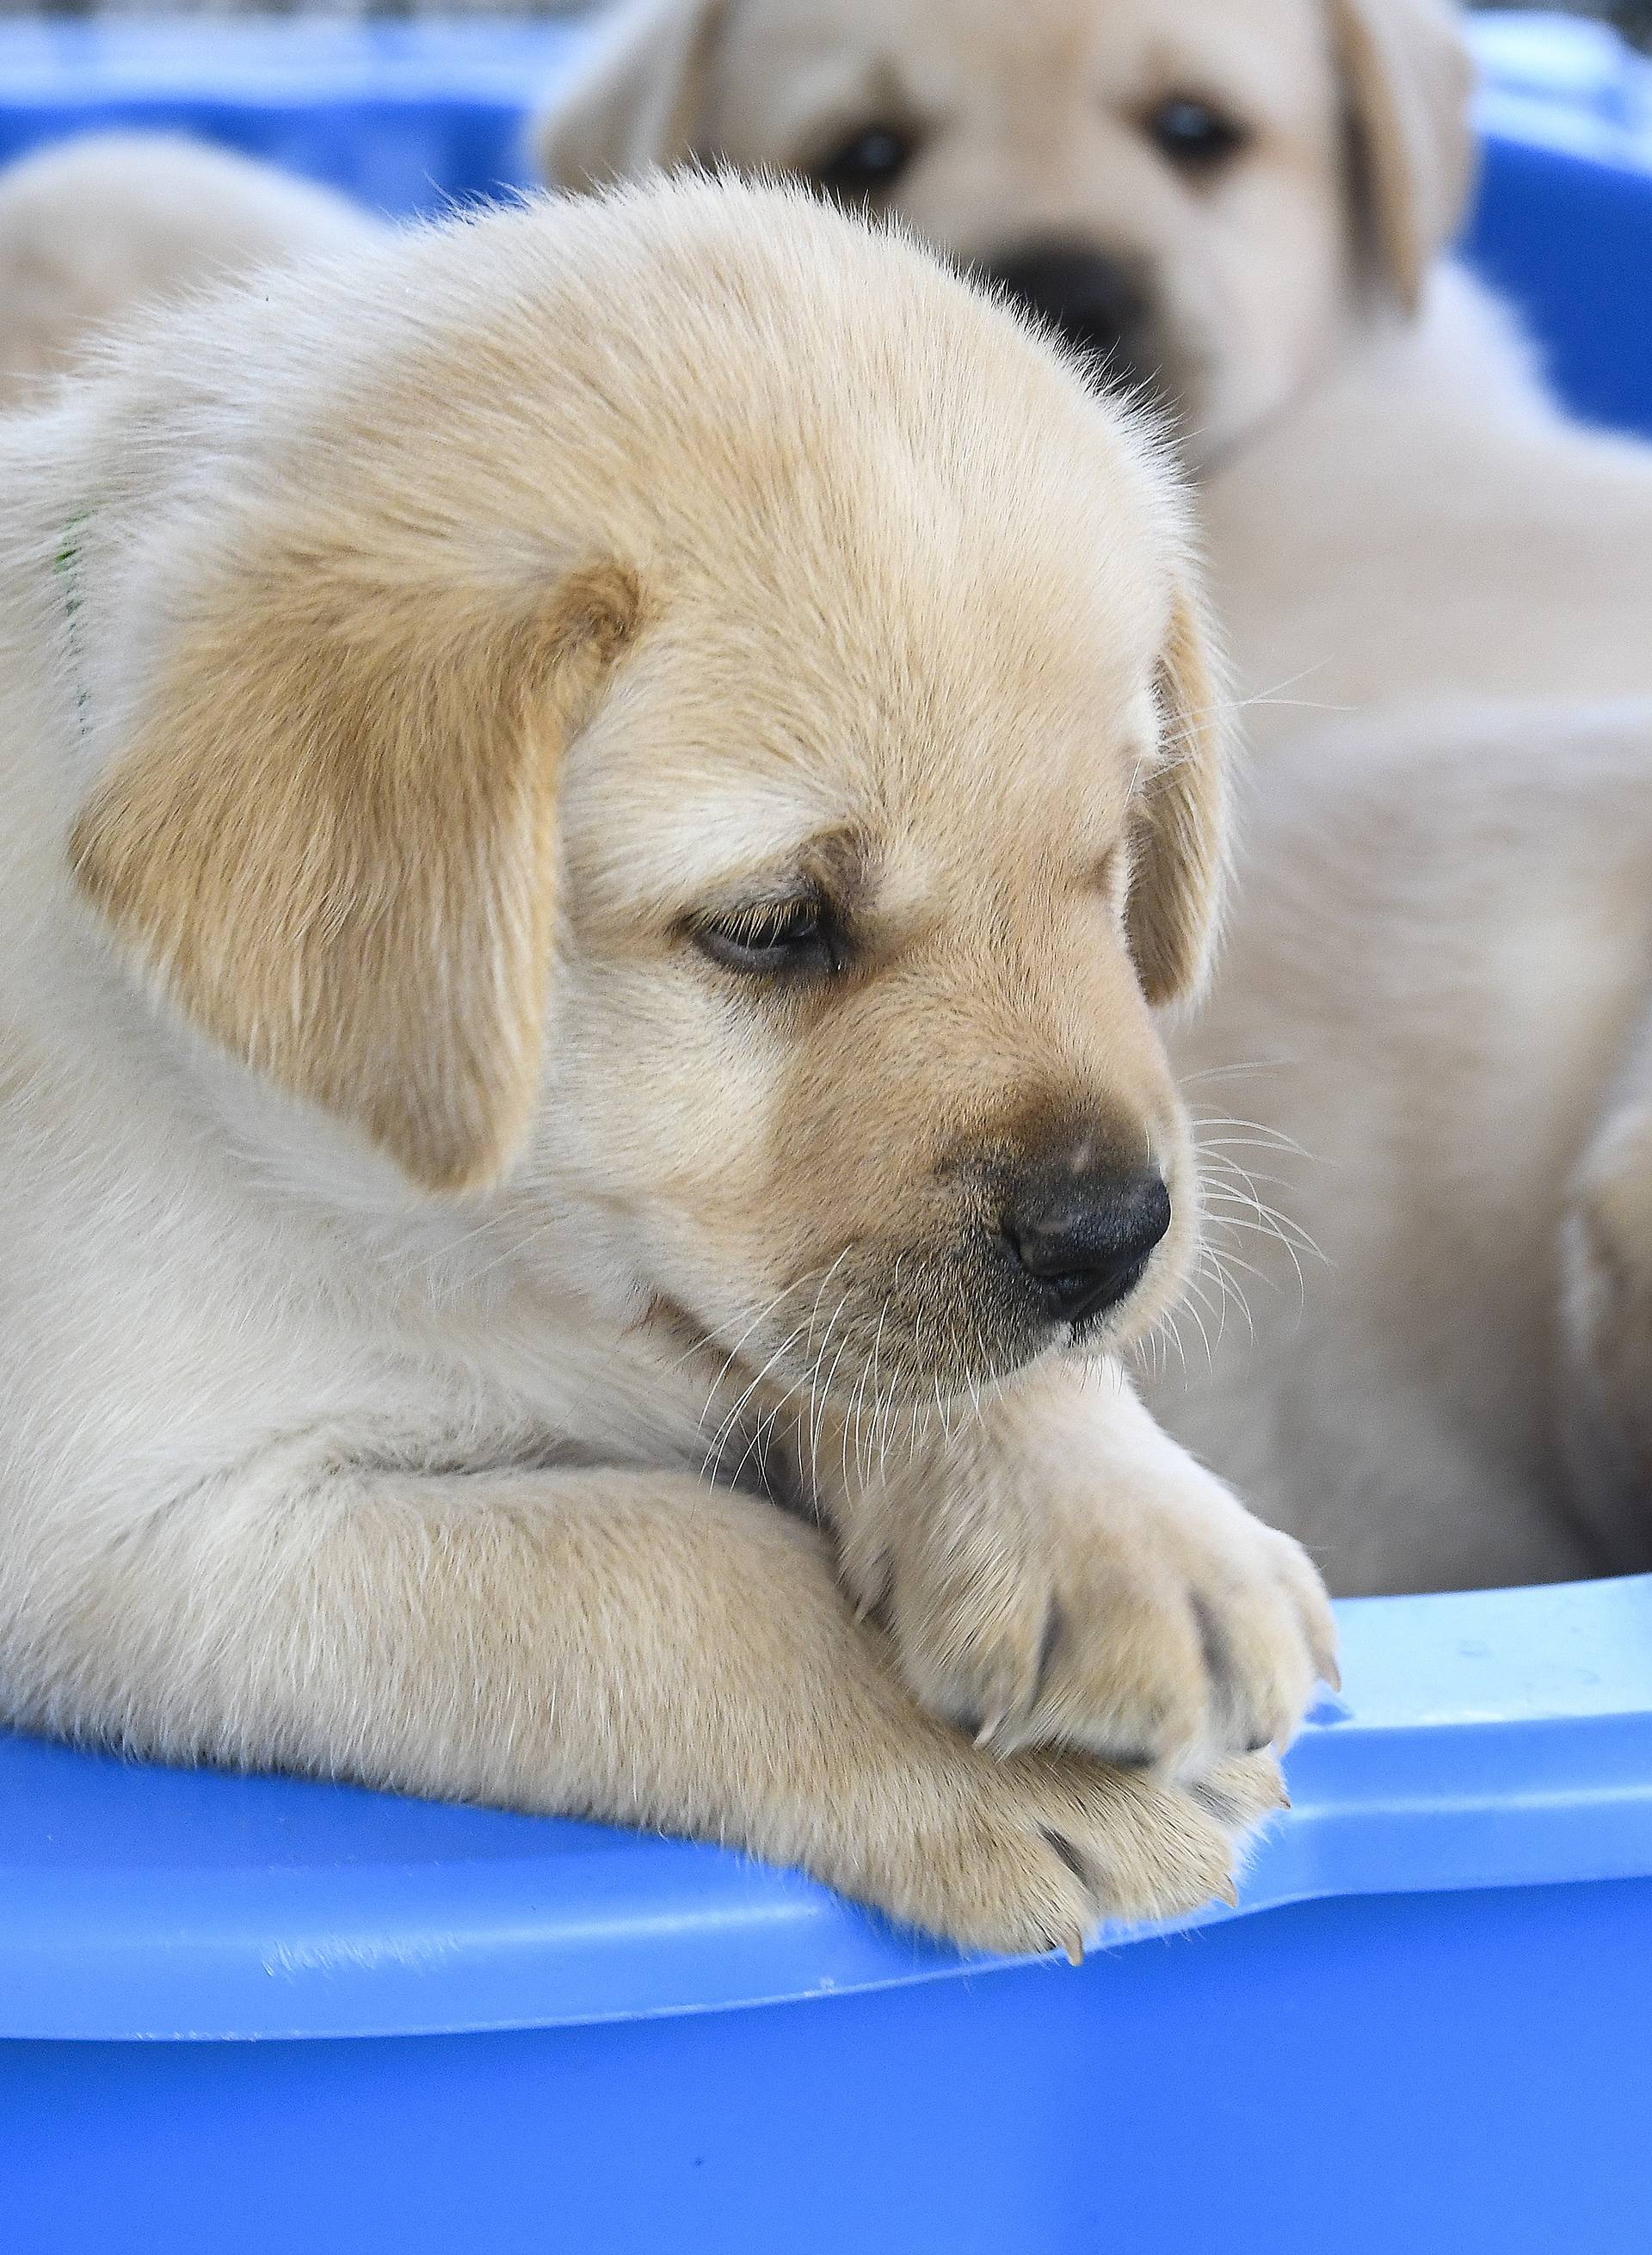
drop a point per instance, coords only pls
(1606, 1328)
(1059, 1570)
(627, 1645)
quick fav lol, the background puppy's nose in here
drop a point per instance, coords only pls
(1083, 1241)
(1095, 302)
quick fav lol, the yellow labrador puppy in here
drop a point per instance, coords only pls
(91, 227)
(1240, 205)
(1437, 1005)
(597, 805)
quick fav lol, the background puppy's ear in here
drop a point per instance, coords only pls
(1180, 842)
(637, 101)
(1409, 77)
(332, 843)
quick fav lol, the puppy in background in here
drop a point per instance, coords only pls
(92, 227)
(598, 805)
(1430, 1284)
(1241, 206)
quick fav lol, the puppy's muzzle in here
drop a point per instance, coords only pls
(1100, 305)
(1079, 1242)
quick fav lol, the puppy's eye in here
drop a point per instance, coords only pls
(780, 939)
(868, 164)
(1195, 136)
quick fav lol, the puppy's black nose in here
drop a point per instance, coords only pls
(1097, 303)
(1082, 1242)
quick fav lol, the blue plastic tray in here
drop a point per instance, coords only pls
(250, 2015)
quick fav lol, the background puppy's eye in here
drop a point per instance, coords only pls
(868, 164)
(776, 940)
(1195, 136)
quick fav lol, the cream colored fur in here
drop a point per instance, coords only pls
(455, 1331)
(1430, 529)
(1400, 521)
(1395, 508)
(1607, 1318)
(1428, 1050)
(91, 227)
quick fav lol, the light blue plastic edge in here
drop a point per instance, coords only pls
(1493, 1740)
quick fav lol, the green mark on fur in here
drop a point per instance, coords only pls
(69, 567)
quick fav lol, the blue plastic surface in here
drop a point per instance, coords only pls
(249, 2015)
(403, 115)
(1483, 1741)
(1399, 2075)
(1426, 2029)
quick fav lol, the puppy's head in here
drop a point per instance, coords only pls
(681, 719)
(1199, 194)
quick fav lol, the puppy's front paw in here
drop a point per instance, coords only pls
(1115, 1597)
(1037, 1850)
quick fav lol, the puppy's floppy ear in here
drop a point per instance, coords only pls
(1408, 76)
(637, 101)
(332, 844)
(1179, 844)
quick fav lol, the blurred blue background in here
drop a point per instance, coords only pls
(409, 114)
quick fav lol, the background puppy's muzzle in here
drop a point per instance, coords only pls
(1079, 1243)
(1098, 305)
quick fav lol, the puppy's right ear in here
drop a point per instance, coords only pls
(638, 101)
(331, 846)
(1408, 76)
(1180, 843)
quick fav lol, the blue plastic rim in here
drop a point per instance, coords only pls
(258, 2015)
(1425, 2030)
(1483, 1742)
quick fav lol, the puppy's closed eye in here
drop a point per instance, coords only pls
(800, 938)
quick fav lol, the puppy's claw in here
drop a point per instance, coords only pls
(1075, 1950)
(875, 1591)
(990, 1729)
(1228, 1893)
